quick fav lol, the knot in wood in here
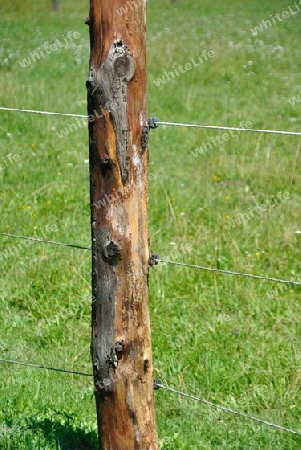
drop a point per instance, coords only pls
(124, 64)
(106, 165)
(119, 348)
(124, 67)
(90, 83)
(112, 252)
(105, 161)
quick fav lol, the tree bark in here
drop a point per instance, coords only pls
(118, 130)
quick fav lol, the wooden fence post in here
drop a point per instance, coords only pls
(118, 131)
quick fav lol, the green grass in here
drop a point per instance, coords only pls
(233, 341)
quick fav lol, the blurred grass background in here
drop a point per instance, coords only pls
(233, 341)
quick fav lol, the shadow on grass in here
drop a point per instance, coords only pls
(65, 436)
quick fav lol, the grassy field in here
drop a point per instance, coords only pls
(236, 205)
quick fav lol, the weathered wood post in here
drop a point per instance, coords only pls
(121, 345)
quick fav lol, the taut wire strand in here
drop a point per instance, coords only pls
(229, 410)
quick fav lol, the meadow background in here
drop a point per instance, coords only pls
(233, 341)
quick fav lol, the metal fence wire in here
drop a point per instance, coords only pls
(157, 383)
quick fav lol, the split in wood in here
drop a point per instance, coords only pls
(144, 138)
